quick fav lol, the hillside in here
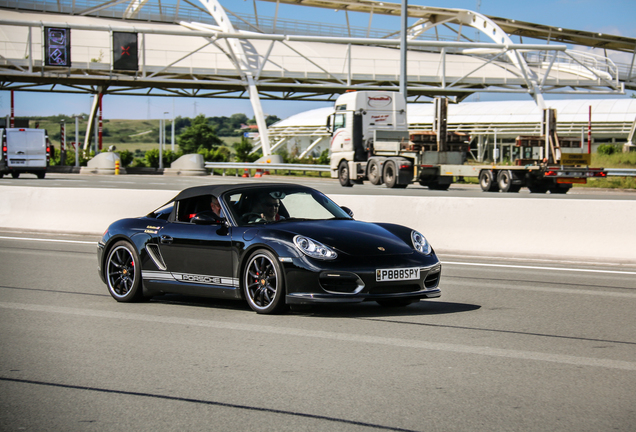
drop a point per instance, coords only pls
(141, 135)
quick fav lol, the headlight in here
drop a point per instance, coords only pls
(314, 249)
(420, 243)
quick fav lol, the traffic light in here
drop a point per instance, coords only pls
(57, 46)
(125, 56)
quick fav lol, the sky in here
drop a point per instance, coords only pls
(614, 17)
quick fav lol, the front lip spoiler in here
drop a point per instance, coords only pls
(304, 298)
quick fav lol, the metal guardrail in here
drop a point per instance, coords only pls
(266, 166)
(620, 172)
(613, 172)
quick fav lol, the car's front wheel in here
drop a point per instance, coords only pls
(263, 283)
(123, 273)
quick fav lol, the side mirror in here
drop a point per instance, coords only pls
(205, 219)
(329, 129)
(348, 211)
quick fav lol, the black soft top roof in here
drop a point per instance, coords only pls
(220, 189)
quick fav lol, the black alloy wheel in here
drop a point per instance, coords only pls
(123, 273)
(263, 283)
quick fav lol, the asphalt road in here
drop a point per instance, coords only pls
(324, 184)
(514, 345)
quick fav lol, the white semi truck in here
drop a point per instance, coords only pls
(24, 150)
(370, 141)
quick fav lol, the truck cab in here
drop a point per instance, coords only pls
(357, 118)
(24, 150)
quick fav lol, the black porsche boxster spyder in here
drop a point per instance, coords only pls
(270, 244)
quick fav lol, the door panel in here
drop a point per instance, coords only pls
(199, 254)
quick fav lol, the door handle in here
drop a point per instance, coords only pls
(166, 239)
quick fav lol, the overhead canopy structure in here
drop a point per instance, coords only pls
(199, 49)
(612, 121)
(510, 26)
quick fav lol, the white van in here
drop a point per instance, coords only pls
(24, 150)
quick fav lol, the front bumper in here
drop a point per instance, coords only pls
(353, 284)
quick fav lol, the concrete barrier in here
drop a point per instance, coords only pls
(591, 230)
(543, 228)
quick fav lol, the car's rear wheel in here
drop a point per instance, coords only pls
(15, 174)
(263, 283)
(395, 302)
(123, 273)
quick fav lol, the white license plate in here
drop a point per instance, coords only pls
(388, 275)
(17, 161)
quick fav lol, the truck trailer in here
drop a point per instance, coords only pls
(370, 140)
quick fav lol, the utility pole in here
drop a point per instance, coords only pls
(403, 71)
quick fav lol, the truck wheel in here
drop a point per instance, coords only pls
(41, 174)
(374, 173)
(390, 174)
(504, 181)
(487, 181)
(15, 174)
(343, 174)
(560, 188)
(438, 186)
(538, 189)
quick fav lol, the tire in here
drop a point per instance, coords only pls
(374, 172)
(15, 174)
(487, 181)
(343, 174)
(122, 261)
(263, 283)
(438, 186)
(395, 302)
(537, 188)
(41, 174)
(390, 174)
(504, 181)
(560, 188)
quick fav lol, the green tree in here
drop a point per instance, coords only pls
(243, 149)
(271, 119)
(199, 135)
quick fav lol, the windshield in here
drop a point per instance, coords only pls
(280, 204)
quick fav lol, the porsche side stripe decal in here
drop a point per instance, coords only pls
(157, 275)
(191, 278)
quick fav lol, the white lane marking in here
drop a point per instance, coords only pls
(540, 268)
(474, 284)
(48, 240)
(336, 336)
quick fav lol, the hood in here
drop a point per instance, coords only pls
(349, 236)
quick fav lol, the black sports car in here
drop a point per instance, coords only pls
(270, 244)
